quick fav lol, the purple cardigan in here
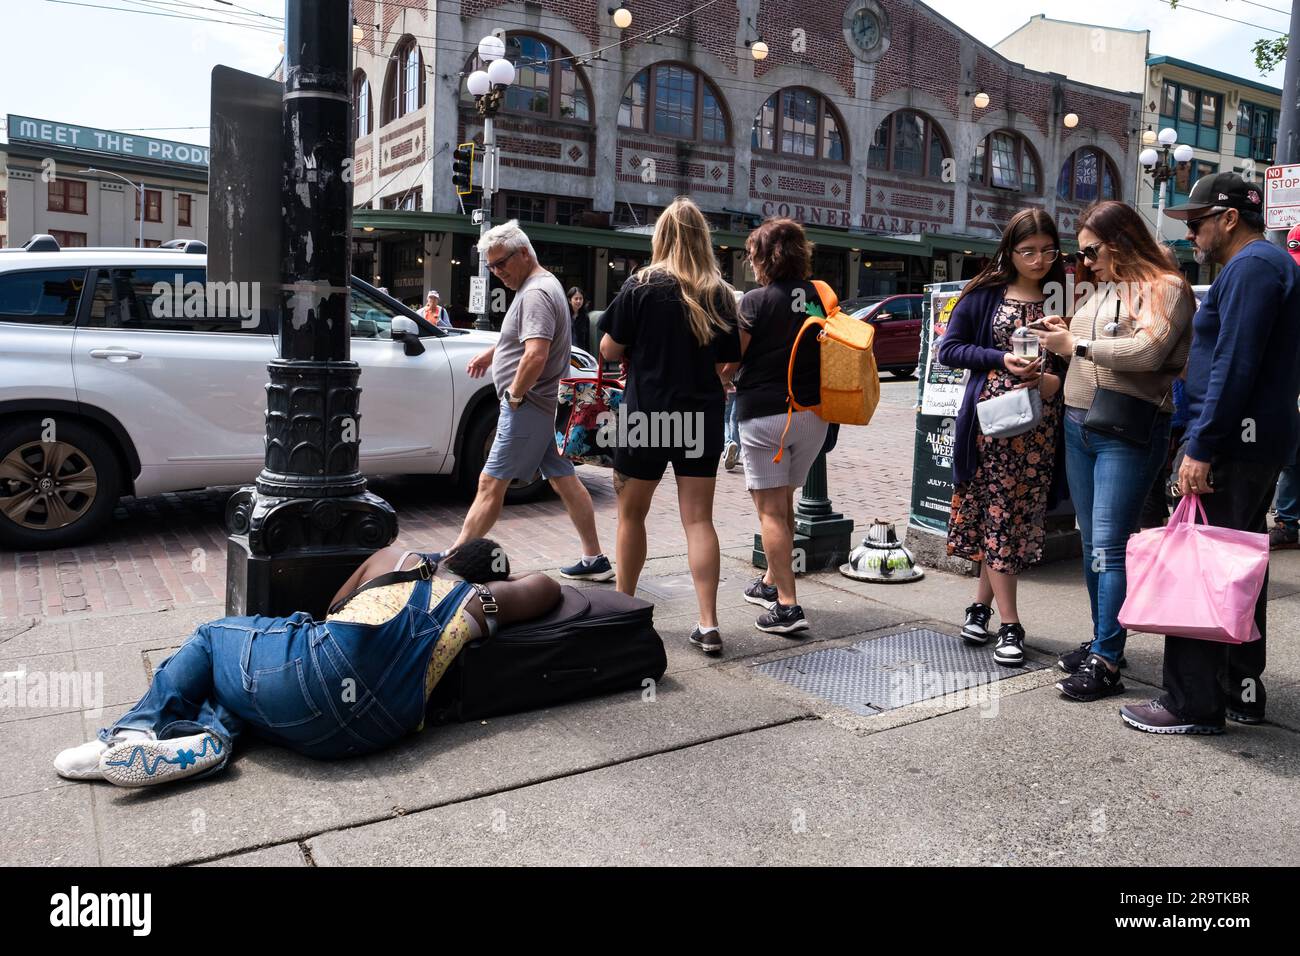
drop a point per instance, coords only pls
(968, 343)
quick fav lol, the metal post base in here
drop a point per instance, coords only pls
(292, 554)
(823, 543)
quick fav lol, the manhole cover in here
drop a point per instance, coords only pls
(898, 669)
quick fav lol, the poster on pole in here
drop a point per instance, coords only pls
(477, 295)
(1282, 197)
(942, 387)
(936, 422)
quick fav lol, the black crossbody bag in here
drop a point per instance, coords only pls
(1118, 415)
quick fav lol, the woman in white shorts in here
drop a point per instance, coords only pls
(770, 318)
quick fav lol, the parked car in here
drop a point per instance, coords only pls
(897, 320)
(100, 397)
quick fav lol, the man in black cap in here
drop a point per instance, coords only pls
(1243, 377)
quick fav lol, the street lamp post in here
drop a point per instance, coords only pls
(1158, 166)
(309, 520)
(488, 87)
(823, 537)
(138, 187)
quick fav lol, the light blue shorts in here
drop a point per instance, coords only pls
(525, 444)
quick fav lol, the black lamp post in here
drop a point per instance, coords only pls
(308, 522)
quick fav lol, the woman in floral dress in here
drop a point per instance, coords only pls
(1002, 485)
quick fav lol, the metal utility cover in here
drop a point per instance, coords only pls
(883, 673)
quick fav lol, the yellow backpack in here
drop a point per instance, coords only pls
(850, 382)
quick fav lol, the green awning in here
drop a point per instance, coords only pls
(401, 220)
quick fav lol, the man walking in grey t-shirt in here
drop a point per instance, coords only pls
(526, 364)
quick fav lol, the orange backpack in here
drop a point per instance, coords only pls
(850, 383)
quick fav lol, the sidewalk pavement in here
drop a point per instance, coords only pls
(719, 765)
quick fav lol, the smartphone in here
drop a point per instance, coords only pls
(1041, 325)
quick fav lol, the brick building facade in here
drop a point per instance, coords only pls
(861, 122)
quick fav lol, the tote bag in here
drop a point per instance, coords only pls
(1195, 580)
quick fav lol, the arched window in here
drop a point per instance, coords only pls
(910, 143)
(799, 122)
(362, 115)
(547, 84)
(1005, 160)
(1088, 176)
(404, 84)
(670, 99)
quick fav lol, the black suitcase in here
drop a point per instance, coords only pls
(593, 642)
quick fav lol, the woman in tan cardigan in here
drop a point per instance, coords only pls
(1126, 344)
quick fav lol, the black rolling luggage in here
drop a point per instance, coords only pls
(595, 641)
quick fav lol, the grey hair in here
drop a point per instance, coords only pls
(507, 236)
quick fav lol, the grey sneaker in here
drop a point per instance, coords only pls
(764, 595)
(709, 643)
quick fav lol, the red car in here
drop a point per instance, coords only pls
(897, 319)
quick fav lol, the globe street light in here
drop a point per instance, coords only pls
(488, 87)
(1156, 162)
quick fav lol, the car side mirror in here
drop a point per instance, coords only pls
(405, 330)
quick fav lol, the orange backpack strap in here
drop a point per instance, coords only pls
(791, 404)
(830, 301)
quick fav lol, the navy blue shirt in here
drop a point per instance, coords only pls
(1243, 373)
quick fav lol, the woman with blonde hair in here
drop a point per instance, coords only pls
(1126, 344)
(675, 325)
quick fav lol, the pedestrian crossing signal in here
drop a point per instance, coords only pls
(462, 169)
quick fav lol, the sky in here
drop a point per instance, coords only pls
(113, 69)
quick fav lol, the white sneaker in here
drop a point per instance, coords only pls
(143, 763)
(731, 455)
(81, 763)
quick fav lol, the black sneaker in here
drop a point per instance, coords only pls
(1154, 718)
(1093, 680)
(782, 619)
(1241, 716)
(1010, 651)
(976, 628)
(598, 570)
(1071, 661)
(764, 595)
(710, 643)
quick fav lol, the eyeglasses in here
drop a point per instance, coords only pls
(1033, 256)
(496, 266)
(1090, 253)
(1194, 225)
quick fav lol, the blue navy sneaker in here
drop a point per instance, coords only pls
(598, 570)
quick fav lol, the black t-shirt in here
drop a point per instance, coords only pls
(772, 315)
(667, 368)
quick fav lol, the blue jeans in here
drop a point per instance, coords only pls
(1287, 502)
(326, 690)
(730, 423)
(1109, 481)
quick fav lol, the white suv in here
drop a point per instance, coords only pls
(101, 398)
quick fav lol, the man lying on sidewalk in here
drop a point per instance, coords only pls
(351, 684)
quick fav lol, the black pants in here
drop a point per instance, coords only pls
(1202, 678)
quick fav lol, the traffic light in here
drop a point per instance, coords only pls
(462, 169)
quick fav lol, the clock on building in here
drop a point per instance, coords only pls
(866, 30)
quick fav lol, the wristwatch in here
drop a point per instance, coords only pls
(512, 401)
(1081, 347)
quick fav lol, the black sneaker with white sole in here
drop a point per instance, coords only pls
(1010, 651)
(782, 619)
(1071, 661)
(1093, 680)
(764, 595)
(1154, 717)
(976, 628)
(710, 642)
(598, 570)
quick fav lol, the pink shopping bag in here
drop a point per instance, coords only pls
(1195, 580)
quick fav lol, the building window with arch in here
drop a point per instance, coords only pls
(404, 84)
(1005, 160)
(362, 114)
(799, 122)
(909, 143)
(1088, 176)
(671, 99)
(547, 85)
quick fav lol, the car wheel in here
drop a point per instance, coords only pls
(55, 493)
(478, 443)
(903, 372)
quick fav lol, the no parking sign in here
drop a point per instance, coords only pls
(1282, 196)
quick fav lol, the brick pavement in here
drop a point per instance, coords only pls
(170, 550)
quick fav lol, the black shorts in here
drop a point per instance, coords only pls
(650, 464)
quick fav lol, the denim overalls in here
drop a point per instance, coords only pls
(325, 689)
